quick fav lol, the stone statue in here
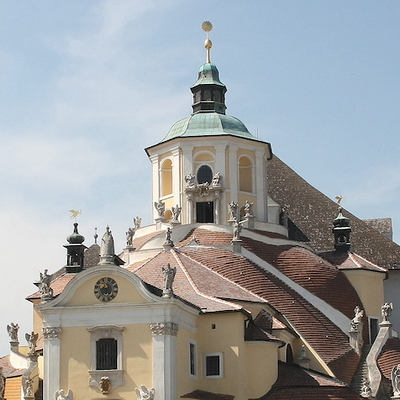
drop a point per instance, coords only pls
(13, 331)
(160, 207)
(396, 380)
(176, 211)
(233, 211)
(168, 240)
(189, 179)
(143, 393)
(45, 278)
(31, 339)
(203, 189)
(248, 208)
(129, 236)
(366, 391)
(105, 385)
(216, 181)
(28, 387)
(60, 395)
(386, 311)
(137, 222)
(107, 244)
(169, 276)
(358, 314)
(237, 228)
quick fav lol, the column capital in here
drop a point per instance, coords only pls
(52, 332)
(164, 328)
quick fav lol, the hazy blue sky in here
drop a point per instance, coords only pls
(85, 85)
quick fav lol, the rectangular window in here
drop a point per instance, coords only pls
(192, 359)
(213, 365)
(373, 329)
(106, 354)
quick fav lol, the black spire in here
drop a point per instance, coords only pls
(75, 251)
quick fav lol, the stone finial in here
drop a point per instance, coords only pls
(31, 338)
(12, 330)
(107, 249)
(387, 309)
(27, 387)
(143, 393)
(396, 381)
(169, 276)
(105, 385)
(237, 228)
(129, 236)
(137, 222)
(59, 395)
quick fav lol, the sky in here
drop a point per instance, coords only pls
(86, 85)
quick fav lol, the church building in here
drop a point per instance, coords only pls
(237, 291)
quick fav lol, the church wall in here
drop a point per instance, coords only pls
(369, 286)
(231, 346)
(76, 360)
(185, 382)
(262, 367)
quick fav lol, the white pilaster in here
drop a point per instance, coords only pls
(233, 172)
(155, 162)
(52, 360)
(220, 166)
(164, 360)
(187, 168)
(176, 175)
(261, 187)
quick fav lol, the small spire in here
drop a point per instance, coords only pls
(207, 27)
(341, 230)
(95, 235)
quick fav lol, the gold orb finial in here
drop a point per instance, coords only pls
(206, 26)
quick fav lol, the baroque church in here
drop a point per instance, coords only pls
(250, 284)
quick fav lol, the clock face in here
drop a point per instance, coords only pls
(106, 289)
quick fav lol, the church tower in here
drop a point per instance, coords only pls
(208, 160)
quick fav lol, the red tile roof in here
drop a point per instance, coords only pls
(203, 395)
(350, 260)
(8, 370)
(389, 356)
(296, 383)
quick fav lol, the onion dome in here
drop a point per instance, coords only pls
(75, 237)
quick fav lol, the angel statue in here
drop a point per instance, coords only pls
(60, 395)
(160, 207)
(13, 331)
(32, 339)
(143, 393)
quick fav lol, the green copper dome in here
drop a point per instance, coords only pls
(208, 124)
(208, 75)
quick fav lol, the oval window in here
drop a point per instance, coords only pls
(204, 174)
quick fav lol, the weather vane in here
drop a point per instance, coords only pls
(74, 213)
(339, 199)
(207, 27)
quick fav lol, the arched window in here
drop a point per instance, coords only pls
(166, 178)
(245, 174)
(204, 174)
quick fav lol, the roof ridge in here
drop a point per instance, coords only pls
(225, 278)
(197, 290)
(354, 255)
(145, 263)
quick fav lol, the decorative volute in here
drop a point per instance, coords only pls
(341, 230)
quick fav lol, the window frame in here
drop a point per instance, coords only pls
(221, 365)
(193, 359)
